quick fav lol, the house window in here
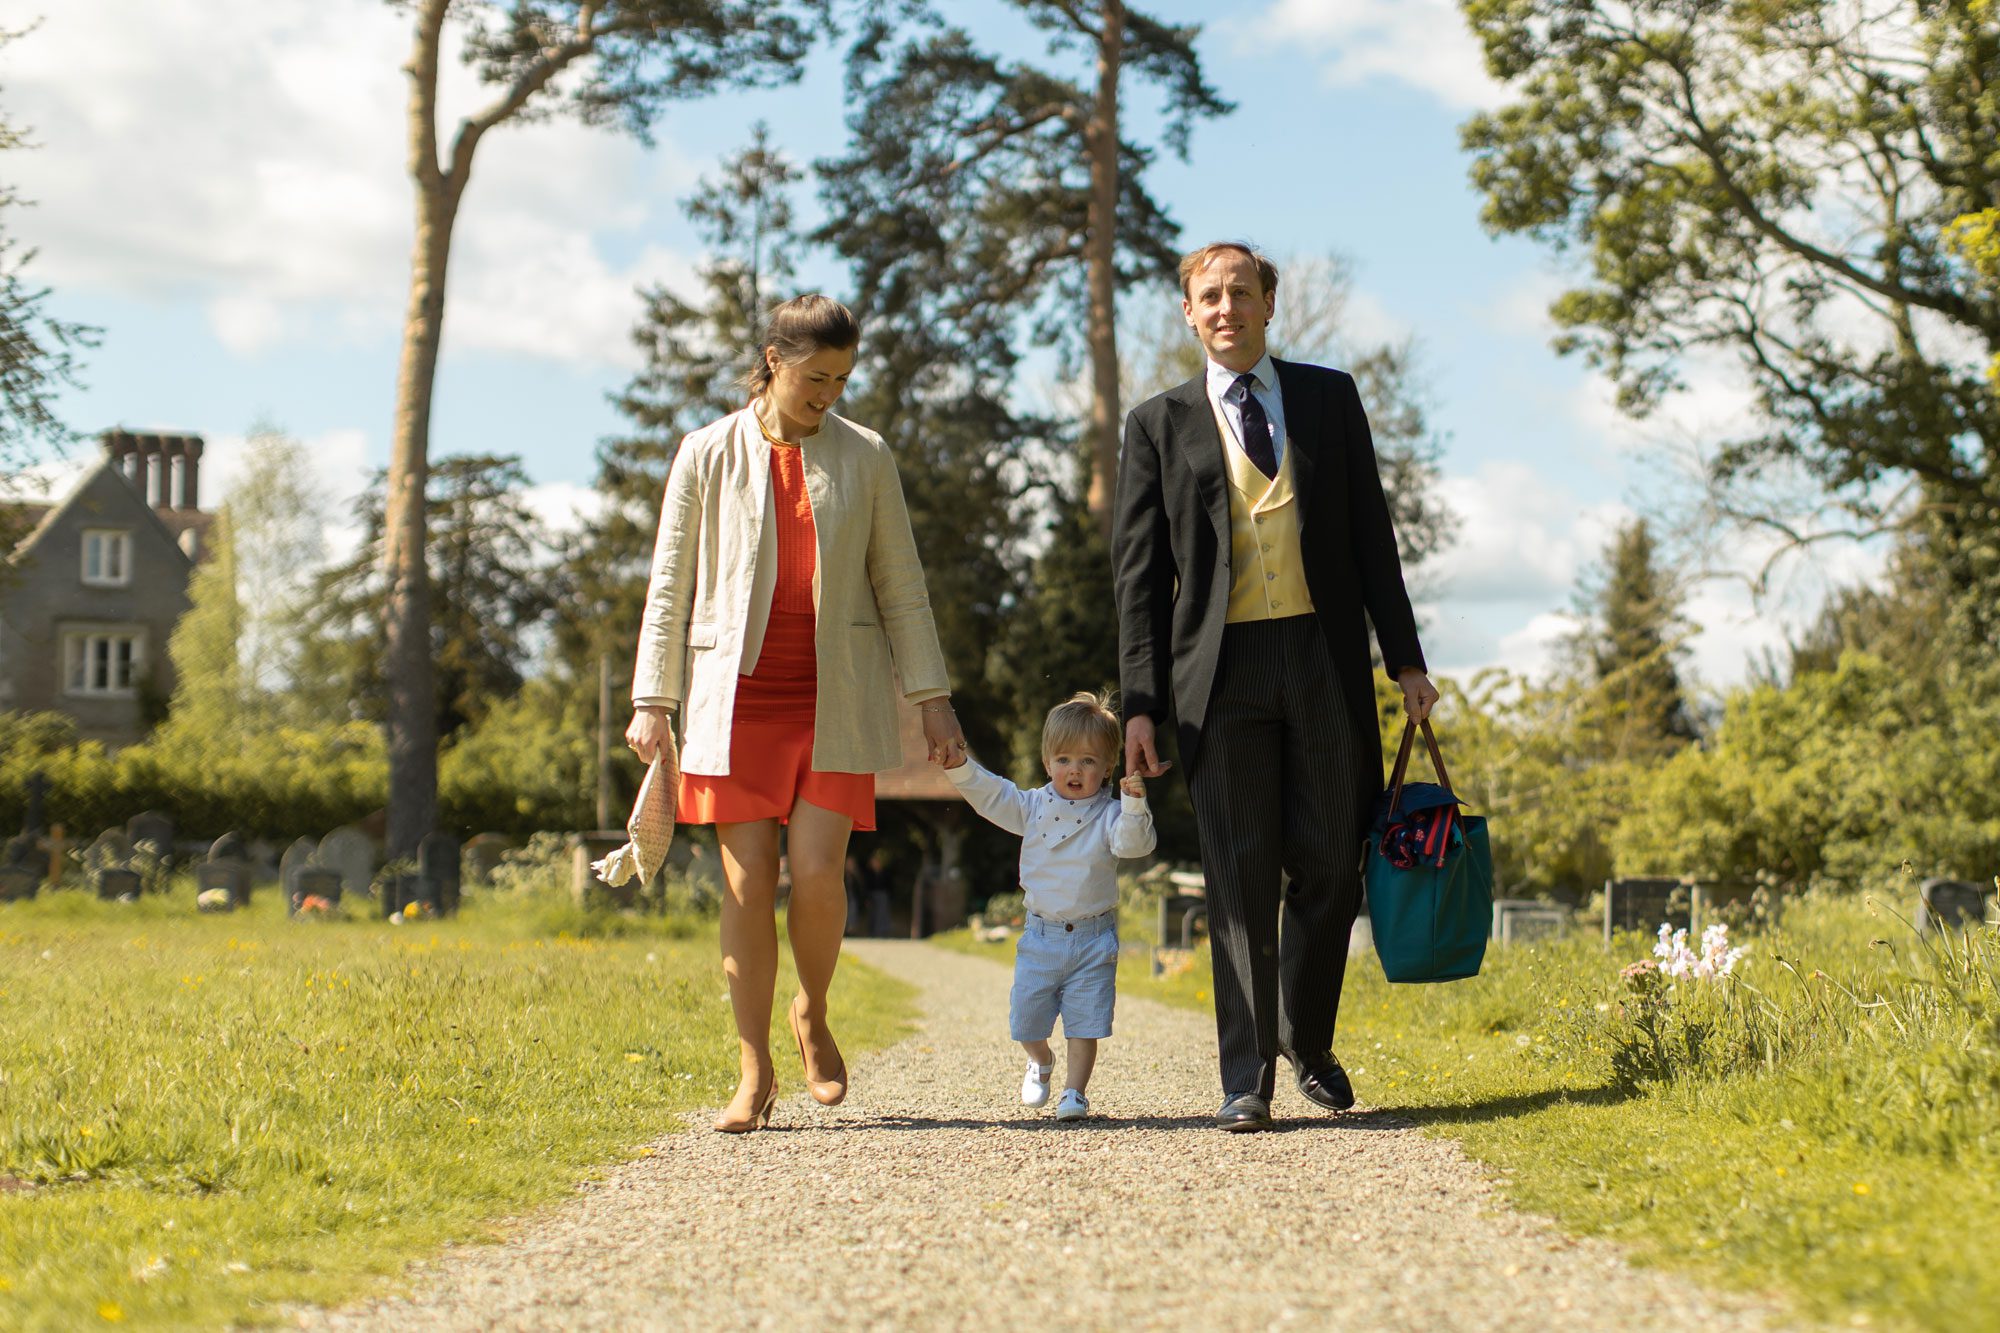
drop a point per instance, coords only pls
(104, 662)
(107, 557)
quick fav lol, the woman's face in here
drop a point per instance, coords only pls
(803, 393)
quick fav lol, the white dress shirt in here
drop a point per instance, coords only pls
(1221, 379)
(1069, 849)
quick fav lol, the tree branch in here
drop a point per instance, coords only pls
(553, 61)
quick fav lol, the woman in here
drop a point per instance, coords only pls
(785, 585)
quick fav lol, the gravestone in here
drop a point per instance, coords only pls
(150, 826)
(351, 852)
(1643, 904)
(20, 869)
(296, 858)
(1730, 903)
(315, 884)
(585, 888)
(1949, 904)
(108, 868)
(401, 892)
(482, 857)
(1521, 924)
(225, 868)
(263, 859)
(438, 862)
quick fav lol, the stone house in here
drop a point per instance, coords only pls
(90, 596)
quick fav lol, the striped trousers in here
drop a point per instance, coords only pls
(1281, 803)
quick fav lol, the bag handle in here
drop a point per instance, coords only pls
(1403, 763)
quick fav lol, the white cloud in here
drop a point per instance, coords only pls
(1521, 537)
(1423, 43)
(563, 506)
(264, 175)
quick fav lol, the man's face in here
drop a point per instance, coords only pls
(1227, 307)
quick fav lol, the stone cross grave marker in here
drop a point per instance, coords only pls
(20, 871)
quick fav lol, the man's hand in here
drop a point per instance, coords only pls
(1419, 695)
(1142, 760)
(648, 732)
(1133, 785)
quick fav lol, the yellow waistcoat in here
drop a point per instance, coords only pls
(1267, 575)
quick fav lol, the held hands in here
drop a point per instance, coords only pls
(942, 736)
(1142, 760)
(1133, 785)
(648, 732)
(1419, 695)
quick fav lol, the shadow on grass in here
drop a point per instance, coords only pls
(1508, 1108)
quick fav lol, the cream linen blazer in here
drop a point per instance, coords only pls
(715, 568)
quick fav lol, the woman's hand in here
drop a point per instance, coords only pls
(942, 736)
(649, 730)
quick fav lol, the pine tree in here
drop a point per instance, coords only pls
(1631, 647)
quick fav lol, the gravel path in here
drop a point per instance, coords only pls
(932, 1198)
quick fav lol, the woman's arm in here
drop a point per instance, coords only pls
(662, 658)
(897, 576)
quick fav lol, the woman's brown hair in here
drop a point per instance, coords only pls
(797, 330)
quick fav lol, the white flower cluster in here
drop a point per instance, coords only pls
(1716, 958)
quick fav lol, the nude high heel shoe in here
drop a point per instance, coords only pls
(758, 1119)
(825, 1091)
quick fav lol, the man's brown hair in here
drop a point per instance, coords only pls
(1196, 260)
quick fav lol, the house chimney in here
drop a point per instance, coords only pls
(163, 471)
(142, 464)
(190, 496)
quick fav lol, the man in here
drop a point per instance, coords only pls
(1249, 537)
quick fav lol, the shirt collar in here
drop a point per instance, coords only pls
(1221, 377)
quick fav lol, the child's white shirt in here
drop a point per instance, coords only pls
(1069, 849)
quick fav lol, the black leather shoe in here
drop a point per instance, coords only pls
(1243, 1113)
(1323, 1082)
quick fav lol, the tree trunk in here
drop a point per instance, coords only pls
(1100, 246)
(407, 667)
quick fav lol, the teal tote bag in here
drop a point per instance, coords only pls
(1428, 872)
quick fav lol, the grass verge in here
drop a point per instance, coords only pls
(1829, 1132)
(206, 1120)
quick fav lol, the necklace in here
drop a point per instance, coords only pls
(766, 431)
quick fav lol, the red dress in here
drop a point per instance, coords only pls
(771, 728)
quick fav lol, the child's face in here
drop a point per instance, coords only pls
(1077, 772)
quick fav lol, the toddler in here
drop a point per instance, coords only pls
(1073, 831)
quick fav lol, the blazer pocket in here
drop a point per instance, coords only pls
(863, 624)
(701, 634)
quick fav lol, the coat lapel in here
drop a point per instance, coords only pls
(1302, 432)
(1193, 428)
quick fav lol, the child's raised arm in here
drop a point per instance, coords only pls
(996, 799)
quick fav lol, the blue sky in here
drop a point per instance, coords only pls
(220, 188)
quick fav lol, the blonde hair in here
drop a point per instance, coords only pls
(1083, 718)
(1194, 261)
(799, 329)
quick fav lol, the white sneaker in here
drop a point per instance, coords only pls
(1035, 1084)
(1073, 1106)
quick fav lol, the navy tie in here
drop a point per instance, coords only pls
(1256, 427)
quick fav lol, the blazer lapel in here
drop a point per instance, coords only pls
(1192, 420)
(1302, 431)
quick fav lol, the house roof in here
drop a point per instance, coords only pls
(91, 480)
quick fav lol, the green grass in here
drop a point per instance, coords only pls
(1829, 1131)
(207, 1120)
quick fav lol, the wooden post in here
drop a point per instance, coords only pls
(604, 740)
(57, 846)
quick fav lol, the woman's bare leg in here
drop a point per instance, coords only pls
(750, 951)
(816, 919)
